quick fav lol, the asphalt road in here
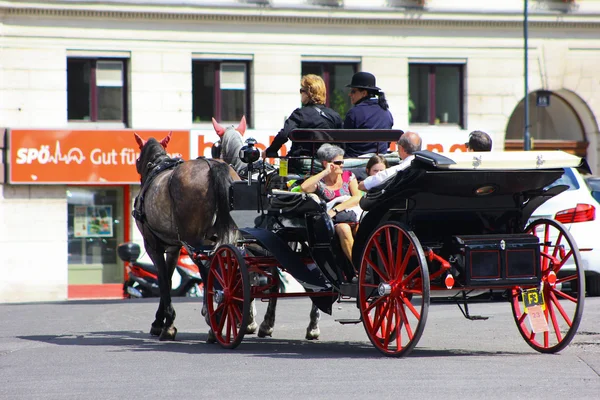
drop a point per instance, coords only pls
(102, 350)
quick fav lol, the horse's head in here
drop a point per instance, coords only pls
(231, 142)
(150, 152)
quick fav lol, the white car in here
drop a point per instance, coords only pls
(576, 209)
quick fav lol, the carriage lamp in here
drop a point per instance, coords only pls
(542, 98)
(249, 153)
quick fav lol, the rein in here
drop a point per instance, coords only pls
(138, 206)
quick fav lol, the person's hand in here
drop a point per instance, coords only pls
(331, 213)
(330, 167)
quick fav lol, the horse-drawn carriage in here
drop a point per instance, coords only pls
(451, 225)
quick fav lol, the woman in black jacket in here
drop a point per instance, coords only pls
(312, 115)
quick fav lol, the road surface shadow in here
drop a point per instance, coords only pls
(195, 343)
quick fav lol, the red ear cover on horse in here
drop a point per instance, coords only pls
(166, 140)
(218, 128)
(141, 142)
(242, 126)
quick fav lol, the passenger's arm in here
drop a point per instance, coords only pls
(290, 124)
(310, 184)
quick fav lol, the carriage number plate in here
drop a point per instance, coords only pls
(533, 305)
(283, 167)
(533, 297)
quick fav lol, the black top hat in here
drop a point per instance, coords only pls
(363, 80)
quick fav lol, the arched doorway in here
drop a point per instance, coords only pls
(557, 126)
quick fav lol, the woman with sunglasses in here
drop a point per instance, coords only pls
(331, 183)
(370, 111)
(312, 115)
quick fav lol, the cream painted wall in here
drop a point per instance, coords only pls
(34, 48)
(33, 243)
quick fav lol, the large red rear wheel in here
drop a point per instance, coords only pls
(393, 290)
(562, 288)
(228, 296)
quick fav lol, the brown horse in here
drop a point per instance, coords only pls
(180, 203)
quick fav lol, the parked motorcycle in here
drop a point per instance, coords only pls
(141, 279)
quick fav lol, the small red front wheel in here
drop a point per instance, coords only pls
(393, 289)
(562, 289)
(228, 296)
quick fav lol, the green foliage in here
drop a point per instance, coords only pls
(340, 103)
(411, 107)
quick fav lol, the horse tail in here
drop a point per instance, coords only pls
(220, 182)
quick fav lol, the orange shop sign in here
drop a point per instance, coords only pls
(82, 156)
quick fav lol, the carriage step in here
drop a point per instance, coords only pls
(347, 321)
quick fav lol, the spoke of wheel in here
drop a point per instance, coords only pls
(409, 331)
(411, 308)
(545, 251)
(554, 321)
(237, 285)
(382, 258)
(567, 279)
(229, 324)
(388, 327)
(557, 245)
(400, 318)
(216, 274)
(559, 265)
(390, 257)
(409, 277)
(237, 312)
(376, 269)
(560, 309)
(374, 304)
(407, 258)
(399, 255)
(378, 318)
(221, 323)
(234, 322)
(565, 296)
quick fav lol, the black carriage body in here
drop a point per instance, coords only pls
(467, 217)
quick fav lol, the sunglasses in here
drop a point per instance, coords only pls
(353, 91)
(340, 162)
(303, 90)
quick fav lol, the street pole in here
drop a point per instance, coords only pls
(526, 136)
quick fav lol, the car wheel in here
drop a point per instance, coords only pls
(592, 284)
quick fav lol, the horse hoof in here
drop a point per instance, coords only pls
(211, 337)
(168, 334)
(312, 334)
(251, 328)
(265, 330)
(156, 330)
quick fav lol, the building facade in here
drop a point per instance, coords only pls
(85, 74)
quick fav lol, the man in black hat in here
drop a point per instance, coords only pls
(370, 111)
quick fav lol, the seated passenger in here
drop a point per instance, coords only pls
(408, 144)
(370, 111)
(334, 182)
(479, 141)
(312, 115)
(376, 164)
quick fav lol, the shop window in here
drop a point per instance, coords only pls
(220, 90)
(436, 94)
(95, 228)
(336, 77)
(96, 90)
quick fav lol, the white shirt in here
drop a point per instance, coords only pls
(386, 174)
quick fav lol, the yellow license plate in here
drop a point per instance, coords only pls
(283, 167)
(533, 297)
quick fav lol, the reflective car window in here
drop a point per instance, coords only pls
(568, 179)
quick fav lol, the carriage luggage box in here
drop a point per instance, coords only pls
(500, 260)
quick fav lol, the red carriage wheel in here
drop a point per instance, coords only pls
(393, 289)
(562, 289)
(228, 296)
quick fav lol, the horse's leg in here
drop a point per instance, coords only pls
(266, 327)
(252, 325)
(313, 332)
(157, 257)
(159, 320)
(165, 272)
